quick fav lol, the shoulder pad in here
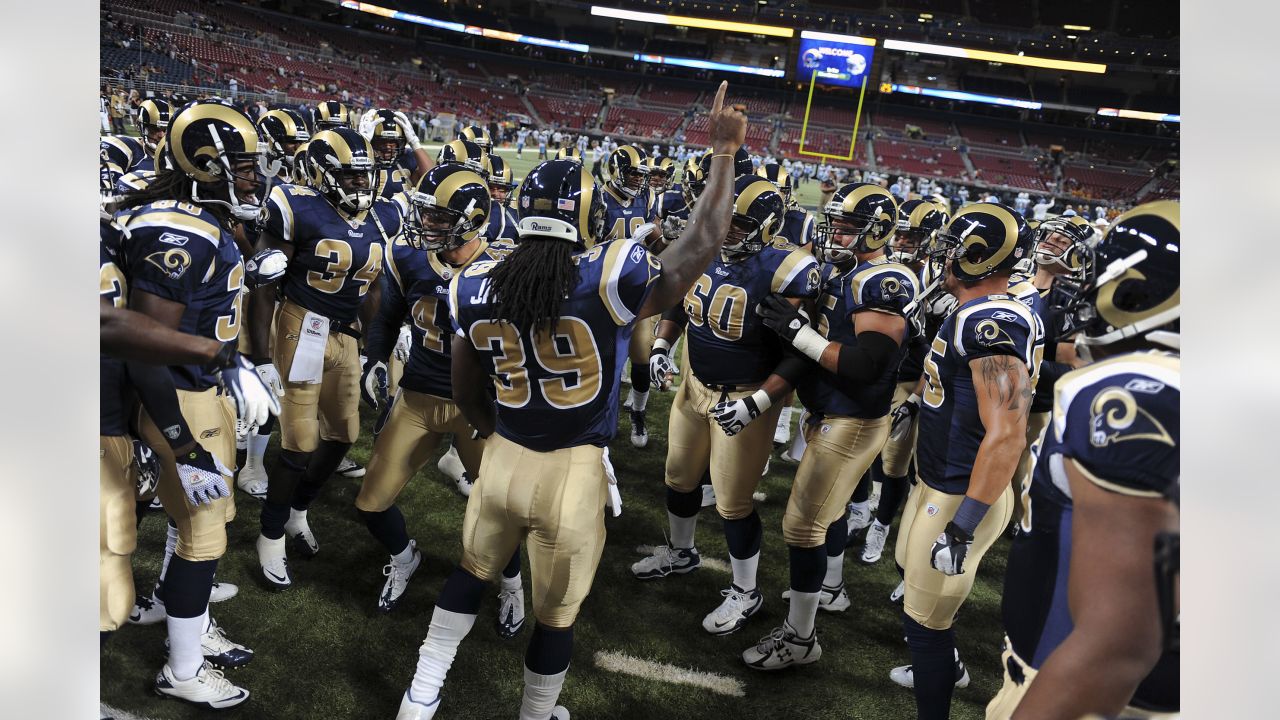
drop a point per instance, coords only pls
(884, 286)
(796, 274)
(997, 326)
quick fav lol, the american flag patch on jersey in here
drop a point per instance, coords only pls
(565, 204)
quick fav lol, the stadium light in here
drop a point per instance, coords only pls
(707, 65)
(1081, 28)
(969, 54)
(836, 38)
(1140, 115)
(468, 29)
(964, 96)
(705, 23)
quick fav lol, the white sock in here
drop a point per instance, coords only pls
(437, 652)
(798, 443)
(511, 584)
(540, 694)
(257, 448)
(744, 571)
(405, 556)
(170, 544)
(804, 609)
(185, 656)
(784, 418)
(682, 530)
(835, 571)
(639, 401)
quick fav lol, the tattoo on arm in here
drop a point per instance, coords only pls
(1007, 382)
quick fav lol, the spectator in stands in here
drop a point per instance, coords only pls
(1040, 211)
(897, 190)
(963, 195)
(235, 87)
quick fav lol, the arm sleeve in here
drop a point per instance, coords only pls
(677, 315)
(154, 385)
(384, 330)
(868, 360)
(793, 366)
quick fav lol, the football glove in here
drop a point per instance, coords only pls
(381, 422)
(950, 550)
(734, 415)
(203, 476)
(271, 378)
(672, 227)
(410, 134)
(403, 343)
(373, 383)
(661, 368)
(147, 466)
(792, 325)
(249, 391)
(365, 127)
(266, 266)
(941, 305)
(615, 497)
(903, 416)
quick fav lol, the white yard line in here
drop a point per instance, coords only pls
(120, 714)
(663, 672)
(707, 562)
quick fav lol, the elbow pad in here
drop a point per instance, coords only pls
(866, 361)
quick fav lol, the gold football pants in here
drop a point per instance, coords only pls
(553, 502)
(413, 431)
(202, 532)
(933, 598)
(328, 410)
(117, 530)
(695, 443)
(840, 451)
(896, 456)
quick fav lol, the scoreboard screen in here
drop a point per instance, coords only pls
(842, 60)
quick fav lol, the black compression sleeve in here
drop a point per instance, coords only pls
(155, 389)
(866, 361)
(793, 367)
(677, 315)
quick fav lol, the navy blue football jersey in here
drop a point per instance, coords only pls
(1119, 421)
(728, 344)
(390, 183)
(623, 216)
(180, 252)
(950, 427)
(502, 223)
(797, 227)
(335, 258)
(1024, 292)
(117, 155)
(560, 389)
(671, 202)
(880, 286)
(134, 180)
(912, 365)
(113, 385)
(416, 285)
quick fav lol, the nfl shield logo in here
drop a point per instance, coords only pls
(315, 324)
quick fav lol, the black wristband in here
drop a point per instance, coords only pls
(226, 356)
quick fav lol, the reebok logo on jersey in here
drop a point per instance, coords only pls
(174, 239)
(1141, 385)
(1005, 316)
(637, 254)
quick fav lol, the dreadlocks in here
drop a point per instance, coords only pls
(166, 185)
(529, 285)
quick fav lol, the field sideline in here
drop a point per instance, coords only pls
(323, 651)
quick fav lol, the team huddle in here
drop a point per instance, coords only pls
(984, 374)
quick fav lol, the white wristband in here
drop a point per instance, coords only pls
(915, 398)
(809, 342)
(762, 400)
(661, 345)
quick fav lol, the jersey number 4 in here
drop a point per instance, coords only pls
(568, 356)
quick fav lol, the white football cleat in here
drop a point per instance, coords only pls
(665, 561)
(782, 648)
(252, 479)
(147, 610)
(559, 712)
(873, 546)
(766, 467)
(732, 614)
(411, 710)
(349, 468)
(275, 566)
(639, 429)
(859, 517)
(782, 433)
(209, 688)
(510, 612)
(831, 599)
(397, 580)
(222, 591)
(296, 527)
(895, 597)
(451, 465)
(219, 650)
(904, 676)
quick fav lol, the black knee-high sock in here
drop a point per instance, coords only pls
(324, 461)
(863, 491)
(550, 650)
(388, 527)
(838, 535)
(462, 593)
(743, 535)
(513, 565)
(893, 491)
(933, 666)
(281, 485)
(682, 504)
(808, 568)
(187, 585)
(640, 377)
(140, 511)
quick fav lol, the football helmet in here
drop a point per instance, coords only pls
(558, 200)
(757, 214)
(1075, 236)
(981, 240)
(918, 223)
(693, 181)
(463, 152)
(283, 131)
(153, 121)
(337, 161)
(448, 209)
(866, 211)
(330, 114)
(778, 175)
(210, 143)
(477, 135)
(1131, 281)
(387, 138)
(569, 153)
(628, 170)
(501, 181)
(301, 174)
(662, 173)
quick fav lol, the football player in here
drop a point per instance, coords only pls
(284, 131)
(1096, 509)
(466, 153)
(919, 222)
(330, 115)
(477, 135)
(569, 153)
(335, 234)
(798, 223)
(546, 325)
(122, 154)
(980, 376)
(186, 271)
(862, 324)
(673, 209)
(502, 221)
(401, 159)
(732, 356)
(630, 204)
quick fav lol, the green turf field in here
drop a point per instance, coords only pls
(323, 651)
